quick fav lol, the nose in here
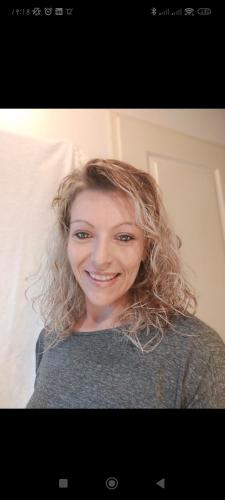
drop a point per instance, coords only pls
(101, 255)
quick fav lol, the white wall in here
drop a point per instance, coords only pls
(206, 124)
(90, 128)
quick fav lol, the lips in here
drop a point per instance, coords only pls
(103, 282)
(111, 275)
(102, 274)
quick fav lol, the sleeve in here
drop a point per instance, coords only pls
(210, 390)
(39, 350)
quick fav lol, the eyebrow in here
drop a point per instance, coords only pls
(120, 224)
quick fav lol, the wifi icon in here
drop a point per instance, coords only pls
(189, 12)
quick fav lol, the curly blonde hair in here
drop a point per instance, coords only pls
(160, 291)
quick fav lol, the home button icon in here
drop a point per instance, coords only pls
(111, 483)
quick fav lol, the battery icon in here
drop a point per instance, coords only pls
(204, 12)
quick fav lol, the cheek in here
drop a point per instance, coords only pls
(72, 256)
(75, 258)
(69, 253)
(131, 260)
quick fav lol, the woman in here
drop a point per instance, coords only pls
(115, 303)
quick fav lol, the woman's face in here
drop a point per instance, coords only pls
(104, 240)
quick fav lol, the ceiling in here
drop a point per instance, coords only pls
(206, 124)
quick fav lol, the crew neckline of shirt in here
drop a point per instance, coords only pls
(95, 332)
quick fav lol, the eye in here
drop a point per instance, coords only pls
(126, 236)
(85, 237)
(80, 232)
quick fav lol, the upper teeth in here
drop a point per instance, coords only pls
(101, 277)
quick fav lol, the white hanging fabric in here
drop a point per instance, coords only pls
(30, 172)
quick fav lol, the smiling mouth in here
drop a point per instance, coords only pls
(102, 280)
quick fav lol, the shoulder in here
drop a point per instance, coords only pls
(195, 340)
(45, 339)
(197, 331)
(201, 357)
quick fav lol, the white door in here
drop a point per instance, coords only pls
(191, 176)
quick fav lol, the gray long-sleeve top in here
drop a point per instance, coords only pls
(104, 369)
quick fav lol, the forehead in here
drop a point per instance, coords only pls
(94, 202)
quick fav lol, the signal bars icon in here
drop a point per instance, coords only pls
(165, 13)
(168, 13)
(177, 13)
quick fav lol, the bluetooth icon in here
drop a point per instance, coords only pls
(154, 11)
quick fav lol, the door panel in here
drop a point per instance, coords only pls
(190, 174)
